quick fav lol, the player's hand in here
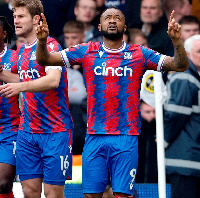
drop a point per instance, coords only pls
(42, 29)
(10, 89)
(174, 29)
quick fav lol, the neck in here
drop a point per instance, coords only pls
(1, 48)
(112, 44)
(147, 28)
(87, 27)
(30, 37)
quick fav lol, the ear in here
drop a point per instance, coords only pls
(188, 54)
(4, 34)
(36, 19)
(99, 27)
(75, 11)
(125, 28)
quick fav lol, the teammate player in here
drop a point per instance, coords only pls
(9, 115)
(44, 144)
(113, 72)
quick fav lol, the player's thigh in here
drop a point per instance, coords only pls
(8, 148)
(7, 172)
(95, 169)
(29, 162)
(57, 158)
(123, 164)
(32, 187)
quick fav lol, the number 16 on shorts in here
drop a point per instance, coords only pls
(64, 163)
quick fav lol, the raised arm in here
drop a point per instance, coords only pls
(43, 56)
(180, 60)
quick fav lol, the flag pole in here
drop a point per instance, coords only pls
(160, 134)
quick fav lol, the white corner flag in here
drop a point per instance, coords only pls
(159, 100)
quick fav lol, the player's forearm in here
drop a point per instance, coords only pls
(180, 56)
(40, 85)
(42, 54)
(9, 77)
(180, 61)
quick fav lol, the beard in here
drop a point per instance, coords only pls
(112, 36)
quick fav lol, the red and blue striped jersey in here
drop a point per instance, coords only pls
(9, 107)
(48, 111)
(113, 79)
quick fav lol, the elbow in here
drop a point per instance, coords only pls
(185, 66)
(41, 62)
(55, 84)
(182, 66)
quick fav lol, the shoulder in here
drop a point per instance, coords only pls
(53, 44)
(90, 46)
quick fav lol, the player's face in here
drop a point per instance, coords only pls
(23, 21)
(112, 24)
(150, 11)
(188, 30)
(72, 39)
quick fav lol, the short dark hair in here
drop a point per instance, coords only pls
(73, 27)
(113, 7)
(189, 19)
(134, 32)
(34, 7)
(6, 27)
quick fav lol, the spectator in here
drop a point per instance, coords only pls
(182, 126)
(9, 115)
(147, 171)
(137, 37)
(85, 11)
(154, 27)
(182, 8)
(113, 72)
(73, 33)
(44, 144)
(190, 26)
(147, 111)
(100, 8)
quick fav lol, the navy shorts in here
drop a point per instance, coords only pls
(8, 148)
(110, 158)
(47, 155)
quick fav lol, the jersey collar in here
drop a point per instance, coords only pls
(32, 44)
(4, 51)
(114, 50)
